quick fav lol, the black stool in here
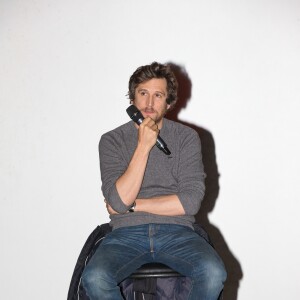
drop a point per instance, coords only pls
(154, 281)
(155, 270)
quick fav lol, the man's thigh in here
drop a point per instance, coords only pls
(120, 253)
(186, 252)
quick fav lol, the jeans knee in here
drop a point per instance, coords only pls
(219, 273)
(94, 278)
(212, 275)
(215, 275)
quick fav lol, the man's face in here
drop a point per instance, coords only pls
(150, 99)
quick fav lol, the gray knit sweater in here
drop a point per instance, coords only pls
(180, 173)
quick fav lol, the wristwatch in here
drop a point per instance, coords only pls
(132, 207)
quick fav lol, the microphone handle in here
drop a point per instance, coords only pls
(162, 145)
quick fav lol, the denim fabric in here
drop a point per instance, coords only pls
(180, 247)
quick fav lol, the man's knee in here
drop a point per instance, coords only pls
(217, 274)
(213, 273)
(96, 277)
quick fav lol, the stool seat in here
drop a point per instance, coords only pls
(154, 270)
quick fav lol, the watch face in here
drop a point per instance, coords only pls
(131, 209)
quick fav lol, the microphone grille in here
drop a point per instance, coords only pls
(131, 110)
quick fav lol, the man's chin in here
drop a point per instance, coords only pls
(152, 115)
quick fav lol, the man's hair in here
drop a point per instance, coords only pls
(154, 70)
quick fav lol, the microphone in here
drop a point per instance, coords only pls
(138, 118)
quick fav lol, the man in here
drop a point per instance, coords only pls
(152, 197)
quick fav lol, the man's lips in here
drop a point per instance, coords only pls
(148, 111)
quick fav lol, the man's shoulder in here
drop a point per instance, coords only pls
(117, 133)
(119, 130)
(178, 128)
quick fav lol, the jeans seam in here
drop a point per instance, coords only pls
(128, 263)
(177, 258)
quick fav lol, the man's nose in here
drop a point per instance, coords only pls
(150, 101)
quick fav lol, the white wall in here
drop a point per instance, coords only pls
(64, 68)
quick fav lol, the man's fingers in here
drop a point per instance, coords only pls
(150, 123)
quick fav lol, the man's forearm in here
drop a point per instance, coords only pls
(168, 205)
(129, 184)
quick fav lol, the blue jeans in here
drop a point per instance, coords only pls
(180, 247)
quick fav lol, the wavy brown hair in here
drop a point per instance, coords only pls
(154, 70)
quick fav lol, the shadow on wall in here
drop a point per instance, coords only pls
(233, 267)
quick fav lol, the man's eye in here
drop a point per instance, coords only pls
(158, 95)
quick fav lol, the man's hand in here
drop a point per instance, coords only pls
(148, 132)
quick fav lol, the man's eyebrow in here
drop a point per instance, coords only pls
(142, 89)
(146, 90)
(160, 92)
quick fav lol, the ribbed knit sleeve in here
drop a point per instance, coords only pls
(112, 165)
(191, 176)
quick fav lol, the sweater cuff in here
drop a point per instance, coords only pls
(116, 202)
